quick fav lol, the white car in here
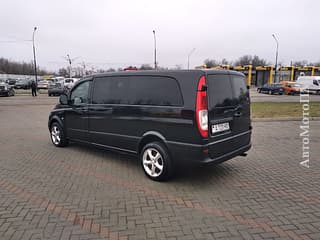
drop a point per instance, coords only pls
(69, 82)
(43, 84)
(309, 84)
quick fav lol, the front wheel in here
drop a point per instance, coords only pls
(57, 135)
(156, 162)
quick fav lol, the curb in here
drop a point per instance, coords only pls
(283, 119)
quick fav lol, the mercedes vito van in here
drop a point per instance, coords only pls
(163, 117)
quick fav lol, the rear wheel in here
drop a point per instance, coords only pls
(57, 135)
(156, 162)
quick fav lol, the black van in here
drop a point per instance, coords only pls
(164, 117)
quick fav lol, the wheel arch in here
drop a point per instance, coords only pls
(55, 119)
(151, 136)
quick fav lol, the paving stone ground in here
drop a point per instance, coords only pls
(80, 192)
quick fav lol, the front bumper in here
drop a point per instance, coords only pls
(4, 92)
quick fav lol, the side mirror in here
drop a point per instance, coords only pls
(63, 99)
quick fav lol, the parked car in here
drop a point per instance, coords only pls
(55, 89)
(309, 84)
(6, 89)
(273, 88)
(69, 82)
(292, 88)
(23, 84)
(43, 84)
(11, 81)
(163, 117)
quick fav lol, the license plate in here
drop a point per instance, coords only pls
(221, 127)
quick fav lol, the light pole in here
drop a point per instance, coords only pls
(34, 57)
(70, 62)
(190, 55)
(275, 70)
(155, 50)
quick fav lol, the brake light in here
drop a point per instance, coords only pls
(202, 107)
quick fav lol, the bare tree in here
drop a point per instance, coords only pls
(211, 63)
(301, 63)
(13, 67)
(253, 60)
(63, 72)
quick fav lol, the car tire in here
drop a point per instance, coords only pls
(57, 135)
(156, 162)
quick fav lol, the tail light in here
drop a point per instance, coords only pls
(202, 107)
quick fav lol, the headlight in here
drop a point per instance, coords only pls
(5, 88)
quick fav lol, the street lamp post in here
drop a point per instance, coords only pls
(275, 71)
(70, 63)
(34, 57)
(155, 50)
(189, 56)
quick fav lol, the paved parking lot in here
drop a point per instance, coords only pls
(80, 192)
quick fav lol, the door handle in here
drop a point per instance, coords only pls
(237, 114)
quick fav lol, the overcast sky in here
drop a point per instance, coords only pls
(107, 33)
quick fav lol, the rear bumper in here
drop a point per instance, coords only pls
(215, 152)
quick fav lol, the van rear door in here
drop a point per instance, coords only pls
(229, 114)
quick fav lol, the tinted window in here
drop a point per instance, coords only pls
(315, 82)
(137, 90)
(239, 87)
(80, 94)
(220, 91)
(111, 90)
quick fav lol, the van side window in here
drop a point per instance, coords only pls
(110, 90)
(154, 90)
(220, 91)
(315, 82)
(240, 90)
(137, 90)
(79, 95)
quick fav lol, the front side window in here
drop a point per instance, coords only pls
(80, 94)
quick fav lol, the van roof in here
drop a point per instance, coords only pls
(168, 72)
